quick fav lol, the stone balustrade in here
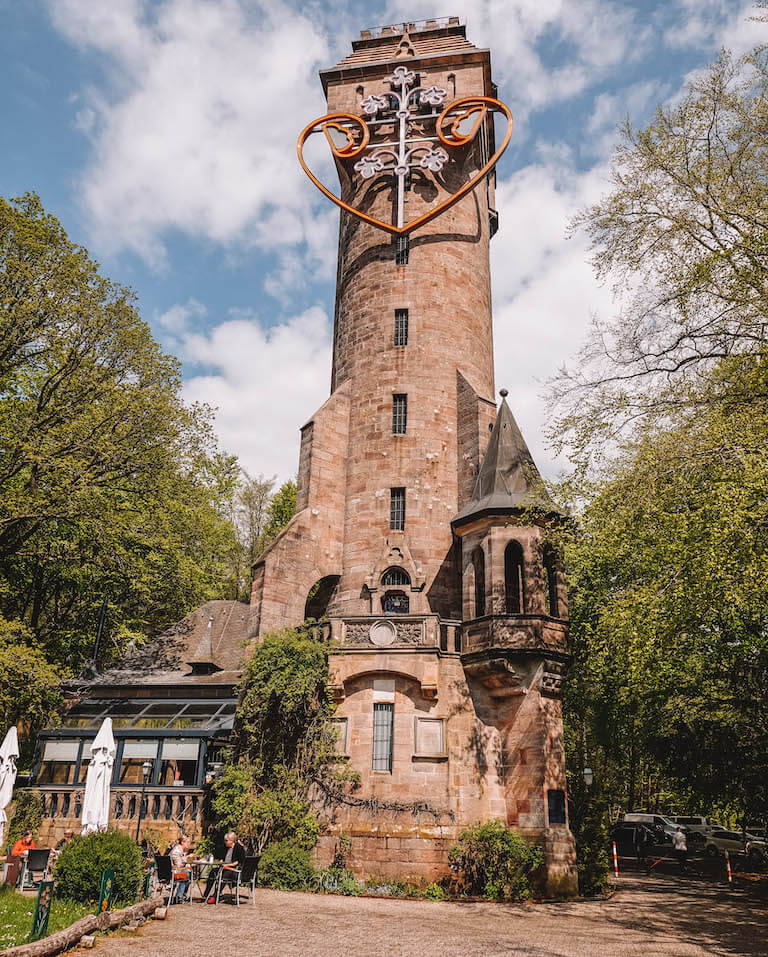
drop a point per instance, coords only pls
(515, 632)
(161, 804)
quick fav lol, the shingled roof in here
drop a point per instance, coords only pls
(205, 647)
(508, 480)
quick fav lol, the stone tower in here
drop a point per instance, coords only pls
(416, 524)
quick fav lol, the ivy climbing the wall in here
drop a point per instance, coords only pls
(284, 745)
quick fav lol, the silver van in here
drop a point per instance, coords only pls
(693, 823)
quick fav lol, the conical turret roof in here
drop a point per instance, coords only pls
(508, 480)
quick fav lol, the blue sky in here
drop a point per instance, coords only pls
(162, 132)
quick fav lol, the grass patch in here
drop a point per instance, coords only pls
(17, 910)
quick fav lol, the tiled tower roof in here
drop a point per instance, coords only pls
(508, 480)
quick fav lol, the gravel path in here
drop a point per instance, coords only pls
(647, 916)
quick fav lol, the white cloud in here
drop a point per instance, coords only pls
(715, 23)
(591, 37)
(198, 128)
(264, 383)
(544, 289)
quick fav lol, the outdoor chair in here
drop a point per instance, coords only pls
(166, 875)
(37, 863)
(13, 869)
(248, 875)
(231, 877)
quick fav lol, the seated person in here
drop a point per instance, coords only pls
(68, 835)
(181, 873)
(24, 845)
(233, 861)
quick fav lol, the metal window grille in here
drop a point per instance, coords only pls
(399, 414)
(395, 576)
(401, 327)
(383, 735)
(402, 248)
(397, 509)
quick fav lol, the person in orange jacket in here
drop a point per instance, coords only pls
(23, 845)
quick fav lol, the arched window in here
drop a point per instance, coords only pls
(514, 578)
(478, 560)
(395, 576)
(550, 583)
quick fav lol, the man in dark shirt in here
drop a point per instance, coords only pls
(233, 861)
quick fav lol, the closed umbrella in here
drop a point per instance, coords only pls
(8, 754)
(96, 797)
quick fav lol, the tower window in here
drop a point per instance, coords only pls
(402, 248)
(397, 509)
(550, 576)
(383, 735)
(478, 560)
(514, 579)
(401, 327)
(399, 414)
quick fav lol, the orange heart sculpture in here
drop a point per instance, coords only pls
(458, 124)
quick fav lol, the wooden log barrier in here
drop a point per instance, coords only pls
(71, 935)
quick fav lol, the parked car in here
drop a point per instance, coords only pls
(623, 834)
(735, 842)
(652, 820)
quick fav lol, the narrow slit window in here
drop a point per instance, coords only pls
(383, 735)
(397, 509)
(401, 327)
(402, 248)
(399, 414)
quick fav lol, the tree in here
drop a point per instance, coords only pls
(669, 564)
(281, 509)
(683, 237)
(284, 747)
(29, 686)
(110, 486)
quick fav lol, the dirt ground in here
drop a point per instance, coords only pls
(648, 916)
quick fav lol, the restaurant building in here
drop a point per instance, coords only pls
(172, 704)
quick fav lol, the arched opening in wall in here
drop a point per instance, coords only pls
(478, 560)
(319, 597)
(550, 583)
(514, 578)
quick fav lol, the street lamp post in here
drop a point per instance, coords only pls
(589, 777)
(146, 770)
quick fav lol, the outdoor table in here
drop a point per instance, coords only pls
(199, 871)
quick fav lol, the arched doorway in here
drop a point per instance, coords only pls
(319, 597)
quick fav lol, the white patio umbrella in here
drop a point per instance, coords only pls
(96, 797)
(8, 754)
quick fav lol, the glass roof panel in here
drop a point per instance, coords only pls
(146, 714)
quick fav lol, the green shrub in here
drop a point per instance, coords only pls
(434, 892)
(27, 816)
(494, 862)
(286, 866)
(80, 864)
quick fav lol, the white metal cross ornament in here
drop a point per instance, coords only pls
(408, 151)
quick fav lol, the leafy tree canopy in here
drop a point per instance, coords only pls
(110, 486)
(669, 612)
(683, 238)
